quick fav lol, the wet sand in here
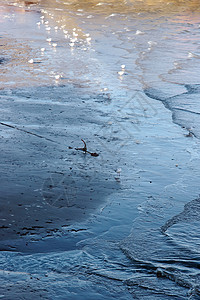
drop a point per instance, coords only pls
(45, 183)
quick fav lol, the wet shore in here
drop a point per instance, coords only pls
(124, 80)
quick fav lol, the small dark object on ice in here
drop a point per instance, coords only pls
(94, 154)
(84, 149)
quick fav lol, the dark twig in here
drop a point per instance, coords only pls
(84, 149)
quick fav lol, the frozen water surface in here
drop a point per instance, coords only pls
(122, 76)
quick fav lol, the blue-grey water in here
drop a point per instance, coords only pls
(125, 78)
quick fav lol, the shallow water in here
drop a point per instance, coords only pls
(124, 224)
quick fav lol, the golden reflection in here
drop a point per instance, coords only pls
(117, 6)
(126, 6)
(133, 5)
(65, 14)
